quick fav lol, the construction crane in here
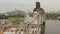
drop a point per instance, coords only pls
(37, 23)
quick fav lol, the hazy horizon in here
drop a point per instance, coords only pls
(47, 5)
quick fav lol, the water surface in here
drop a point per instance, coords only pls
(52, 27)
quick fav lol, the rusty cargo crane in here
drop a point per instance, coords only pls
(37, 23)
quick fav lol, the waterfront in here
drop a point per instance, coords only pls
(52, 27)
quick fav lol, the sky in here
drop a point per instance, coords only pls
(10, 5)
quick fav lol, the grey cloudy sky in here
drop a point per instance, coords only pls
(47, 5)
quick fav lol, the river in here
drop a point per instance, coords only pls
(52, 27)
